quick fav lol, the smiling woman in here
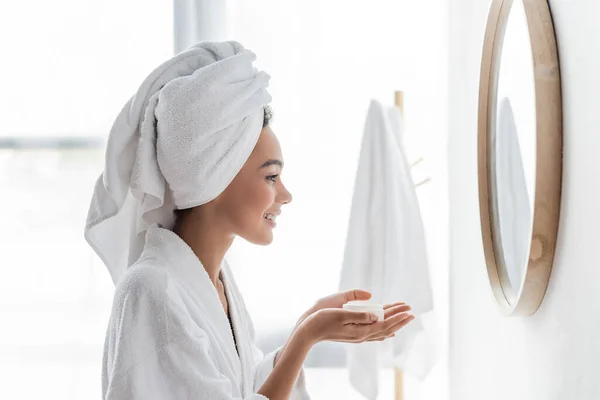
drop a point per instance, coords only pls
(178, 318)
(78, 62)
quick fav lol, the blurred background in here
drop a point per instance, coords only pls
(68, 66)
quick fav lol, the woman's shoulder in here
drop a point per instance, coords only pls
(139, 323)
(149, 301)
(142, 301)
(146, 279)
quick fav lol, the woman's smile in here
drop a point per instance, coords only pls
(271, 219)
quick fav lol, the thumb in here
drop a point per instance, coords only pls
(356, 294)
(358, 317)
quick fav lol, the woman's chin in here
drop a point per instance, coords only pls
(266, 239)
(263, 238)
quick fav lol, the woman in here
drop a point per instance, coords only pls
(191, 163)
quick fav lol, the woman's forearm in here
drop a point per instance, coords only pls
(300, 320)
(280, 382)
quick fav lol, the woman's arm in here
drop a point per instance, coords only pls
(288, 364)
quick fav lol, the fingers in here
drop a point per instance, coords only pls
(357, 317)
(400, 322)
(390, 325)
(380, 338)
(392, 316)
(392, 329)
(391, 311)
(371, 332)
(385, 307)
(337, 300)
(394, 319)
(356, 294)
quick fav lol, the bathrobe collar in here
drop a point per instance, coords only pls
(183, 262)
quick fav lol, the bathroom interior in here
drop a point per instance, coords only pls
(489, 185)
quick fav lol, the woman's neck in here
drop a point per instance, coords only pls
(207, 241)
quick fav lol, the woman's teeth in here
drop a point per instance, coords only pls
(270, 217)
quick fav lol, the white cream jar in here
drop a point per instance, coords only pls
(365, 306)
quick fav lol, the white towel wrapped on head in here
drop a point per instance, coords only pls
(178, 143)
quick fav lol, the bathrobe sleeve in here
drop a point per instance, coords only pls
(154, 352)
(264, 367)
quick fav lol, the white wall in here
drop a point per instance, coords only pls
(556, 353)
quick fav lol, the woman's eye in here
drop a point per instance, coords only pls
(272, 178)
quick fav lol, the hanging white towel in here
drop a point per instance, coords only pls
(385, 251)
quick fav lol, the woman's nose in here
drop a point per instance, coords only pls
(286, 196)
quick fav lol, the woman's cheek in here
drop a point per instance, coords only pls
(260, 197)
(266, 195)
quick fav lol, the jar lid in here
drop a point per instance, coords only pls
(359, 305)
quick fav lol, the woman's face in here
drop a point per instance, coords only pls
(253, 200)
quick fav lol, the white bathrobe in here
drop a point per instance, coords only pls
(169, 337)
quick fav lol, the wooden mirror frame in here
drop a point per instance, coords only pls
(548, 180)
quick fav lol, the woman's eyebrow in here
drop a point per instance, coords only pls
(268, 163)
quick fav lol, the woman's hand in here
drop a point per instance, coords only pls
(339, 325)
(337, 300)
(334, 324)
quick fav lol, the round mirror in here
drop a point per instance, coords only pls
(520, 146)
